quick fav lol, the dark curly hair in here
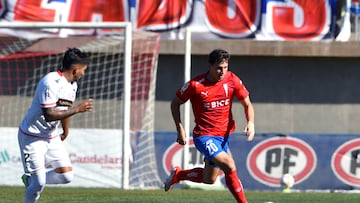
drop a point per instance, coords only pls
(74, 56)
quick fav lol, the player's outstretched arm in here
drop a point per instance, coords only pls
(52, 114)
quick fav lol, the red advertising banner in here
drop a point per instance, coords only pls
(305, 20)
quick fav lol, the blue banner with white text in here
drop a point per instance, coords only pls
(316, 161)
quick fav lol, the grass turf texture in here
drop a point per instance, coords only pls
(107, 195)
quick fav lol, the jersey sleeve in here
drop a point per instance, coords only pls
(184, 93)
(47, 94)
(240, 90)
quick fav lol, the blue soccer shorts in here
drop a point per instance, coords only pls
(210, 146)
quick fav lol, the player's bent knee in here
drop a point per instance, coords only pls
(63, 169)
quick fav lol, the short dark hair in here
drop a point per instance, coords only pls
(218, 55)
(74, 56)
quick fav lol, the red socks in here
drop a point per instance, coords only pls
(232, 181)
(235, 187)
(194, 175)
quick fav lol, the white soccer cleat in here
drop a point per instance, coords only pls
(172, 179)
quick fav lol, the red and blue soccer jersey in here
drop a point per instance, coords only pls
(211, 103)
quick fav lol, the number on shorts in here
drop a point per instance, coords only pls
(211, 147)
(27, 158)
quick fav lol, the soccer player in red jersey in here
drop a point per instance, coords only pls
(211, 95)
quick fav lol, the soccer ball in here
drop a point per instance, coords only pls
(287, 181)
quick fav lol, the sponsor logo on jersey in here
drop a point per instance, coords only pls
(216, 104)
(272, 158)
(204, 93)
(345, 162)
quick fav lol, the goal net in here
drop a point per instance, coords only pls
(111, 146)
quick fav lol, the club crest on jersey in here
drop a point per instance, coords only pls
(47, 94)
(226, 89)
(216, 104)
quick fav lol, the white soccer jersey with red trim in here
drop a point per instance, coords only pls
(53, 90)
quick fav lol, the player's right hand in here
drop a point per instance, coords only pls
(86, 105)
(181, 136)
(181, 141)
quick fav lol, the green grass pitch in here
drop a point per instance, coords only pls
(113, 195)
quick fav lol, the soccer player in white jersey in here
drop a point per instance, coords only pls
(46, 125)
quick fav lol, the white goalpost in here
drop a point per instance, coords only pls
(187, 114)
(110, 147)
(187, 109)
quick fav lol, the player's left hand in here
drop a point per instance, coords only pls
(63, 137)
(250, 130)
